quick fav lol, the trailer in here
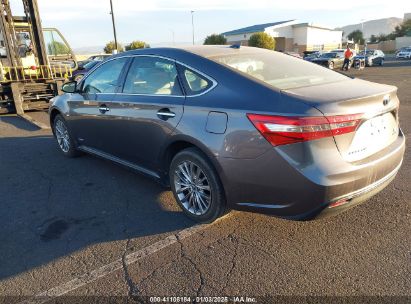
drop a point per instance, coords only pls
(34, 62)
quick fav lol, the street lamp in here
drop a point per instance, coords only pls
(192, 23)
(172, 33)
(114, 28)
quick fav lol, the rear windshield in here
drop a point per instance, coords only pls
(278, 70)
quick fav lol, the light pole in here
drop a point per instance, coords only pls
(192, 23)
(172, 33)
(362, 29)
(114, 27)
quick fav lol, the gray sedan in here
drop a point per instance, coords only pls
(236, 128)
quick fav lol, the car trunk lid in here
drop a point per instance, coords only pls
(377, 103)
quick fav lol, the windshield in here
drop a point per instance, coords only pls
(328, 55)
(370, 52)
(313, 55)
(277, 69)
(91, 64)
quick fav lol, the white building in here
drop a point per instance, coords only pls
(290, 35)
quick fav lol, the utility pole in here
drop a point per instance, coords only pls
(114, 28)
(192, 23)
(172, 33)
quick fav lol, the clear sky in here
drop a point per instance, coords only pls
(88, 22)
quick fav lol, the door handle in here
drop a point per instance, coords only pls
(165, 114)
(103, 109)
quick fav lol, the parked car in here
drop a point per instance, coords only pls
(100, 57)
(309, 53)
(294, 54)
(291, 139)
(312, 55)
(371, 57)
(81, 71)
(342, 51)
(331, 60)
(404, 53)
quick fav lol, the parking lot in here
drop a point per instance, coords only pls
(85, 226)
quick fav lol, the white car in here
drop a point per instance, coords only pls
(404, 53)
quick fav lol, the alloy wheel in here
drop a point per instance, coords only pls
(192, 188)
(62, 135)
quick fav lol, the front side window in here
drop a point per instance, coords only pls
(105, 79)
(196, 83)
(152, 76)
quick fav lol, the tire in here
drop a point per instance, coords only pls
(382, 62)
(196, 186)
(331, 65)
(64, 138)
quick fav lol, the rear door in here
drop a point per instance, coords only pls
(148, 108)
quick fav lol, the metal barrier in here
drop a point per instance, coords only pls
(42, 72)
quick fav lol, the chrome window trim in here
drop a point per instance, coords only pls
(96, 67)
(209, 78)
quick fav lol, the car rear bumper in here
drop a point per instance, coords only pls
(357, 197)
(305, 188)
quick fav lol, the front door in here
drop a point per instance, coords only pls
(90, 105)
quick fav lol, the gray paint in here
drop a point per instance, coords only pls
(297, 180)
(216, 122)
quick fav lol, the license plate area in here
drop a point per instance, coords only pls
(372, 136)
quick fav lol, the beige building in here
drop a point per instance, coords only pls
(290, 36)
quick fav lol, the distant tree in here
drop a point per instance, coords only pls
(137, 44)
(357, 36)
(373, 39)
(382, 37)
(215, 39)
(262, 40)
(57, 48)
(110, 47)
(403, 29)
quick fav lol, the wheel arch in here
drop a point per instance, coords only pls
(180, 143)
(53, 113)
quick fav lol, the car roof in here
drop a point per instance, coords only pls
(206, 51)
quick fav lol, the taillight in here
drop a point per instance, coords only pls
(283, 130)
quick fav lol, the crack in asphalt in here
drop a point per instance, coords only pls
(133, 291)
(233, 263)
(132, 288)
(184, 255)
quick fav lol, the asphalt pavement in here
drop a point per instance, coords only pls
(87, 227)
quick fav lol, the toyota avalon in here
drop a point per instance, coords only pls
(230, 127)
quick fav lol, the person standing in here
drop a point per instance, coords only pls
(347, 57)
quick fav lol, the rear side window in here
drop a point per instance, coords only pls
(105, 79)
(279, 70)
(194, 82)
(152, 76)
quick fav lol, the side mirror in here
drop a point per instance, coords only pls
(69, 87)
